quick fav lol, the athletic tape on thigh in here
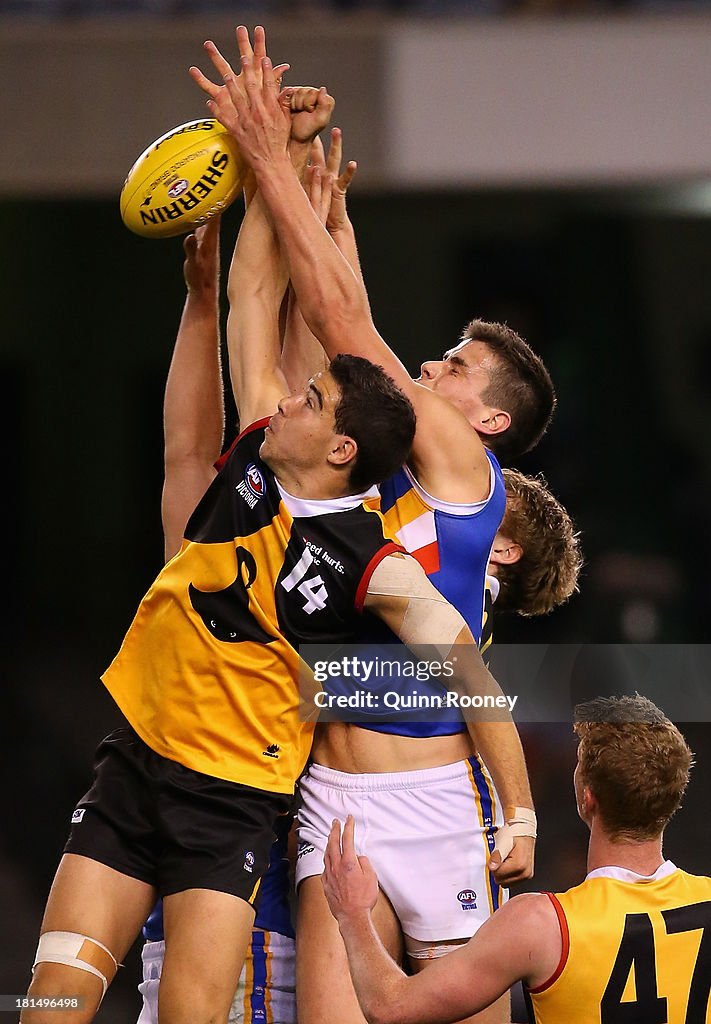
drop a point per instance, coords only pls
(429, 619)
(66, 948)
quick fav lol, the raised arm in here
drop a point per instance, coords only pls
(401, 595)
(521, 941)
(448, 455)
(193, 409)
(255, 288)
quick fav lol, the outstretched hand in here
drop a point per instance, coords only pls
(201, 269)
(326, 186)
(349, 881)
(224, 69)
(338, 216)
(259, 116)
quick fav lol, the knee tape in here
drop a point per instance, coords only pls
(76, 950)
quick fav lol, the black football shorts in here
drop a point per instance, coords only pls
(172, 827)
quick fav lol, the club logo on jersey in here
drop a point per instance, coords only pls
(178, 187)
(248, 861)
(272, 750)
(467, 899)
(78, 815)
(252, 488)
(226, 613)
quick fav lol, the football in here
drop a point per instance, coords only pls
(188, 175)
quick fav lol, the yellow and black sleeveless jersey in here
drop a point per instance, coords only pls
(207, 674)
(635, 951)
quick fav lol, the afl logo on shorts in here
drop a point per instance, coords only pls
(467, 899)
(254, 480)
(178, 187)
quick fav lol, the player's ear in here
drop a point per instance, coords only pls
(343, 450)
(493, 421)
(505, 551)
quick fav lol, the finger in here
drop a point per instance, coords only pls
(260, 42)
(349, 837)
(252, 79)
(189, 246)
(205, 84)
(317, 157)
(366, 866)
(210, 231)
(269, 86)
(314, 188)
(333, 846)
(347, 177)
(243, 44)
(335, 151)
(222, 66)
(279, 71)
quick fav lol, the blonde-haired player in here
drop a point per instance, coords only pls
(631, 944)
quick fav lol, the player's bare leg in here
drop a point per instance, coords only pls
(206, 937)
(87, 899)
(498, 1013)
(323, 981)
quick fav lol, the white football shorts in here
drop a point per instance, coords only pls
(266, 992)
(428, 835)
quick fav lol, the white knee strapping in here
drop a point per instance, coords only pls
(66, 948)
(429, 619)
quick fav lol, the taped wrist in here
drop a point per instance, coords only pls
(519, 821)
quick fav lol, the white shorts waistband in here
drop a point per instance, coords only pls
(384, 781)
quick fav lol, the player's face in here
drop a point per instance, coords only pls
(462, 377)
(302, 430)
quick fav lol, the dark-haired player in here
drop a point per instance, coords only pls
(187, 793)
(628, 944)
(445, 507)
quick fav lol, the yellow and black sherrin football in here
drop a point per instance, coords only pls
(185, 177)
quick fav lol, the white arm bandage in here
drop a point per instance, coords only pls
(429, 621)
(520, 821)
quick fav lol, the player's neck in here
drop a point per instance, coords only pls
(641, 857)
(311, 485)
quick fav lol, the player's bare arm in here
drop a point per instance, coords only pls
(401, 595)
(521, 941)
(448, 456)
(302, 354)
(193, 407)
(256, 285)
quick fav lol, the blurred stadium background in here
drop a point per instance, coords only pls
(544, 162)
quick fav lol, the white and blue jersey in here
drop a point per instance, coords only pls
(452, 543)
